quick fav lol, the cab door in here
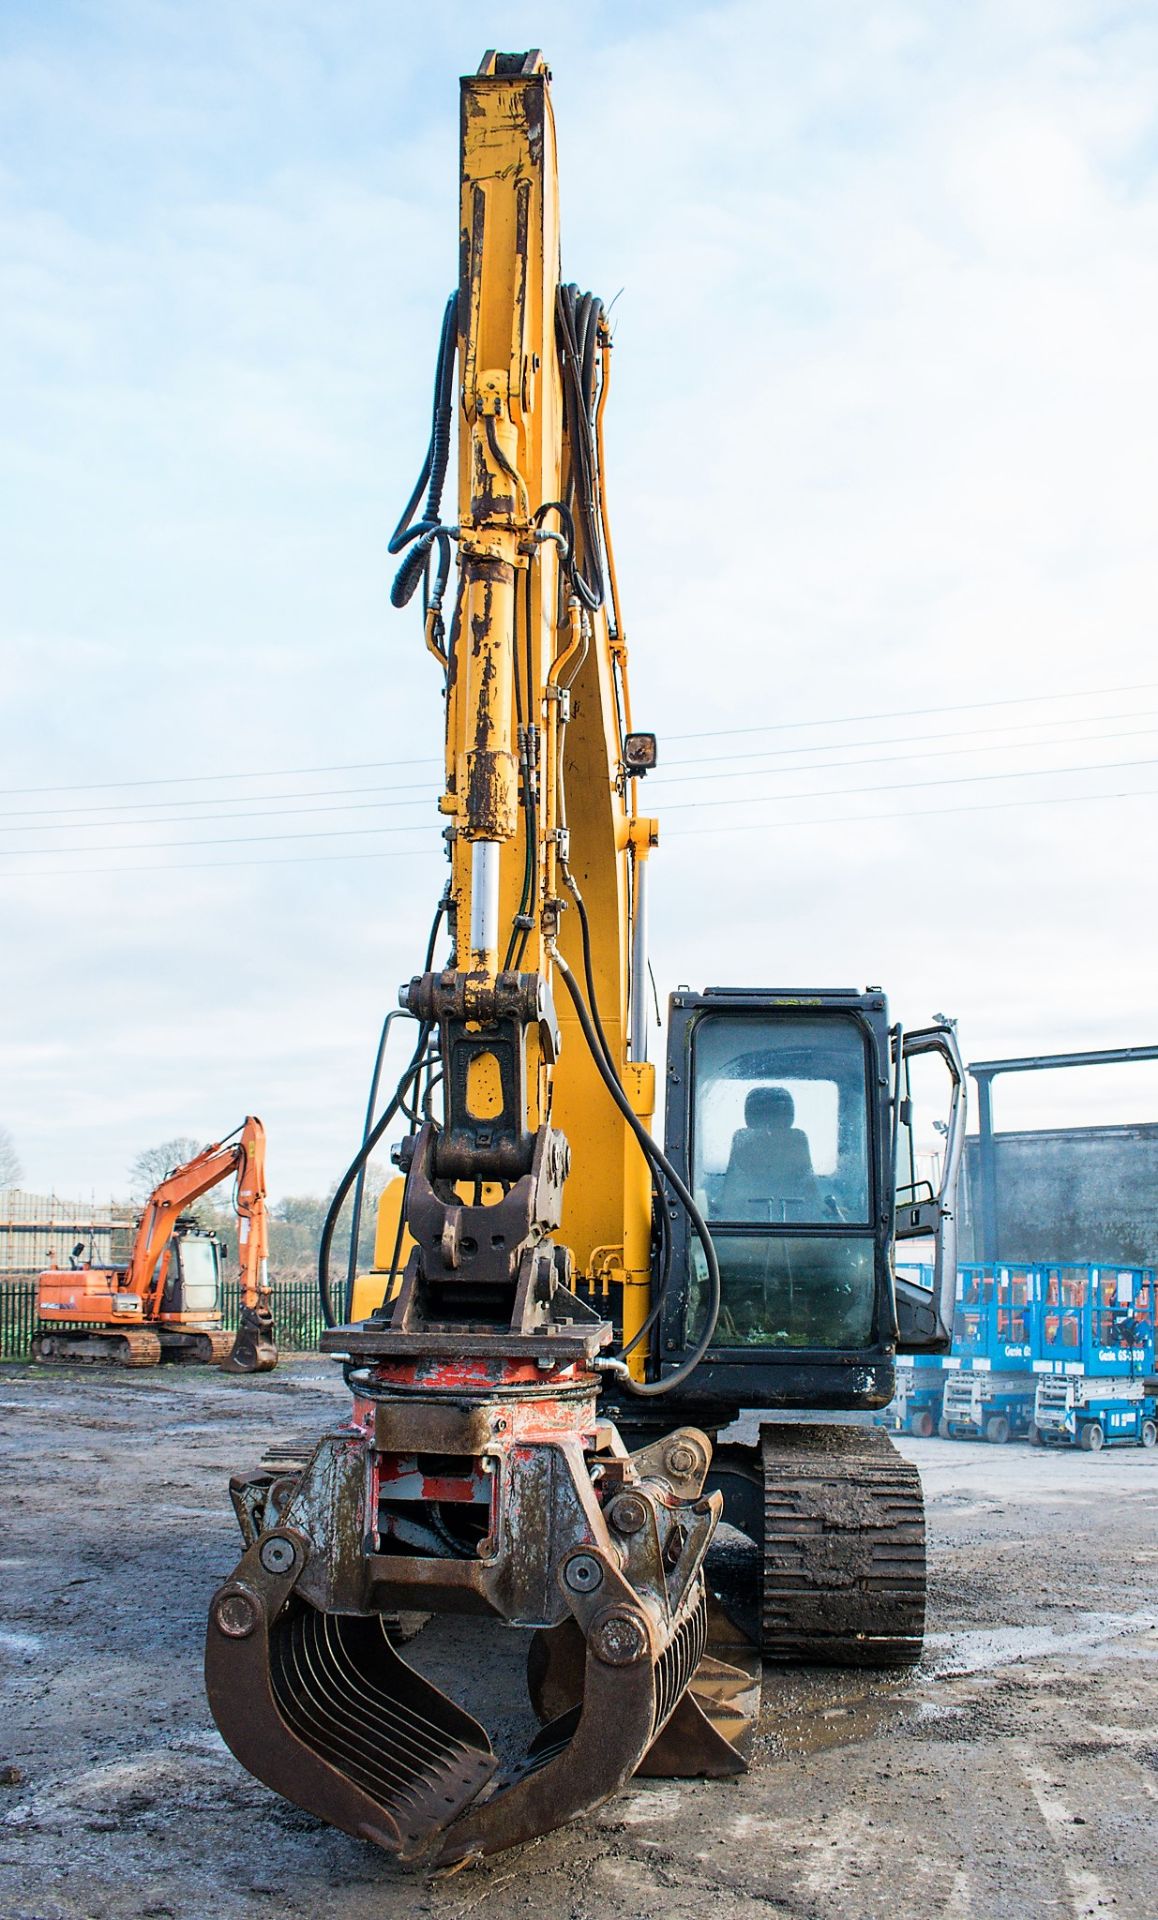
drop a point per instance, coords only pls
(928, 1105)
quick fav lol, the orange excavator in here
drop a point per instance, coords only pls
(166, 1303)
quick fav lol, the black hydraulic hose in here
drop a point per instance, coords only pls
(360, 1158)
(438, 452)
(421, 534)
(417, 561)
(655, 1389)
(656, 1307)
(360, 1183)
(577, 319)
(588, 965)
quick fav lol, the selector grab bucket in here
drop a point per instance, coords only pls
(324, 1709)
(593, 1547)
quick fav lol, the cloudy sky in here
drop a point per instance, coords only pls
(882, 459)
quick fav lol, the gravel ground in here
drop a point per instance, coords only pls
(1013, 1773)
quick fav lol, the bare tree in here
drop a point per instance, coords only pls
(11, 1171)
(153, 1163)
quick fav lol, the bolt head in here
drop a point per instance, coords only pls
(681, 1460)
(277, 1554)
(583, 1573)
(627, 1514)
(236, 1613)
(618, 1637)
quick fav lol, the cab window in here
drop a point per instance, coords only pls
(780, 1126)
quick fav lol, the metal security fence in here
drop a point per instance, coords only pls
(297, 1314)
(17, 1317)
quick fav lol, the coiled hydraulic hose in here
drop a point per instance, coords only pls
(420, 535)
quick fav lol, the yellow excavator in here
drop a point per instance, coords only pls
(565, 1315)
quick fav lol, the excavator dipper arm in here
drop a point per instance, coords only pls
(254, 1348)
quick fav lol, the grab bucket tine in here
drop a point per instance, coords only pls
(574, 1765)
(323, 1709)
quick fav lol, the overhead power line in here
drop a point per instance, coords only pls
(889, 759)
(715, 733)
(740, 803)
(901, 739)
(906, 713)
(194, 779)
(891, 786)
(219, 866)
(28, 823)
(426, 800)
(906, 813)
(680, 833)
(224, 800)
(233, 840)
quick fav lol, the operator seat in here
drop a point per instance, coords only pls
(769, 1174)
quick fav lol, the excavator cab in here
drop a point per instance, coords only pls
(193, 1276)
(786, 1114)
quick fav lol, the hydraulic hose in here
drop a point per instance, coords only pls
(578, 317)
(371, 1104)
(396, 1013)
(428, 529)
(656, 1307)
(655, 1389)
(357, 1163)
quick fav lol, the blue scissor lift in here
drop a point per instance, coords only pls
(1095, 1374)
(989, 1378)
(916, 1405)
